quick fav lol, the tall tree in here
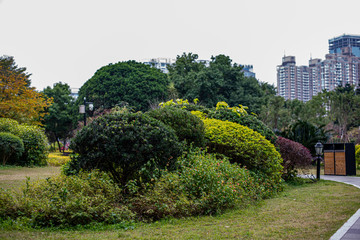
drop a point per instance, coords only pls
(59, 122)
(132, 82)
(17, 100)
(220, 81)
(344, 106)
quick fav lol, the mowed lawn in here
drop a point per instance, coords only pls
(310, 211)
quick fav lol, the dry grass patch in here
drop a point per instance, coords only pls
(15, 177)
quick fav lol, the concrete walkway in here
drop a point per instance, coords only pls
(351, 229)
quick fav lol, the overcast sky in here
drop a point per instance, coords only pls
(69, 40)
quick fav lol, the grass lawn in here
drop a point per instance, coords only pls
(310, 211)
(15, 177)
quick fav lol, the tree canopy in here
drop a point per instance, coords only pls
(59, 121)
(132, 82)
(17, 100)
(220, 81)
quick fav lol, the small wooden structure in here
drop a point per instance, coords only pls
(339, 159)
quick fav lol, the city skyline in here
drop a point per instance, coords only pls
(68, 41)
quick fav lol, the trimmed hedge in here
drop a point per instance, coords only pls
(11, 147)
(294, 155)
(129, 146)
(34, 139)
(249, 121)
(244, 146)
(188, 127)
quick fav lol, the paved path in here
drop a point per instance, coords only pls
(351, 229)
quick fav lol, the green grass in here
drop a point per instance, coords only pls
(310, 211)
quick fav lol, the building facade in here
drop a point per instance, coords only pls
(340, 67)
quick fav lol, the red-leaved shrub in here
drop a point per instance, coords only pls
(294, 154)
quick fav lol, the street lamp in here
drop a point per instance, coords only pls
(318, 149)
(82, 109)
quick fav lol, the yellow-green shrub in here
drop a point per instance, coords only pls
(244, 146)
(57, 159)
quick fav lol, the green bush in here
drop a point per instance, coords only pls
(249, 121)
(205, 184)
(8, 125)
(187, 126)
(244, 146)
(11, 147)
(127, 145)
(67, 201)
(34, 139)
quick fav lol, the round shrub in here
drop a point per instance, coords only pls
(187, 126)
(34, 139)
(244, 146)
(11, 147)
(129, 146)
(67, 201)
(249, 121)
(294, 155)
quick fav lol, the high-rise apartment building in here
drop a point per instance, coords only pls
(345, 44)
(341, 66)
(293, 81)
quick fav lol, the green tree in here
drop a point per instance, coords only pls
(9, 67)
(344, 107)
(132, 82)
(59, 122)
(220, 81)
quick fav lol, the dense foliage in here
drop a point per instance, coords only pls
(129, 146)
(294, 156)
(34, 139)
(59, 120)
(132, 82)
(220, 81)
(11, 148)
(204, 184)
(244, 146)
(66, 201)
(247, 120)
(18, 100)
(307, 134)
(187, 126)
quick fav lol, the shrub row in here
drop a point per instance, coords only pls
(34, 140)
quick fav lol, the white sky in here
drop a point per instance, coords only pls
(69, 40)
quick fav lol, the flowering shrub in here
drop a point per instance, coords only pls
(244, 146)
(127, 145)
(294, 154)
(187, 127)
(67, 201)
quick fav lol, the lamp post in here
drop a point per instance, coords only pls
(82, 109)
(318, 149)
